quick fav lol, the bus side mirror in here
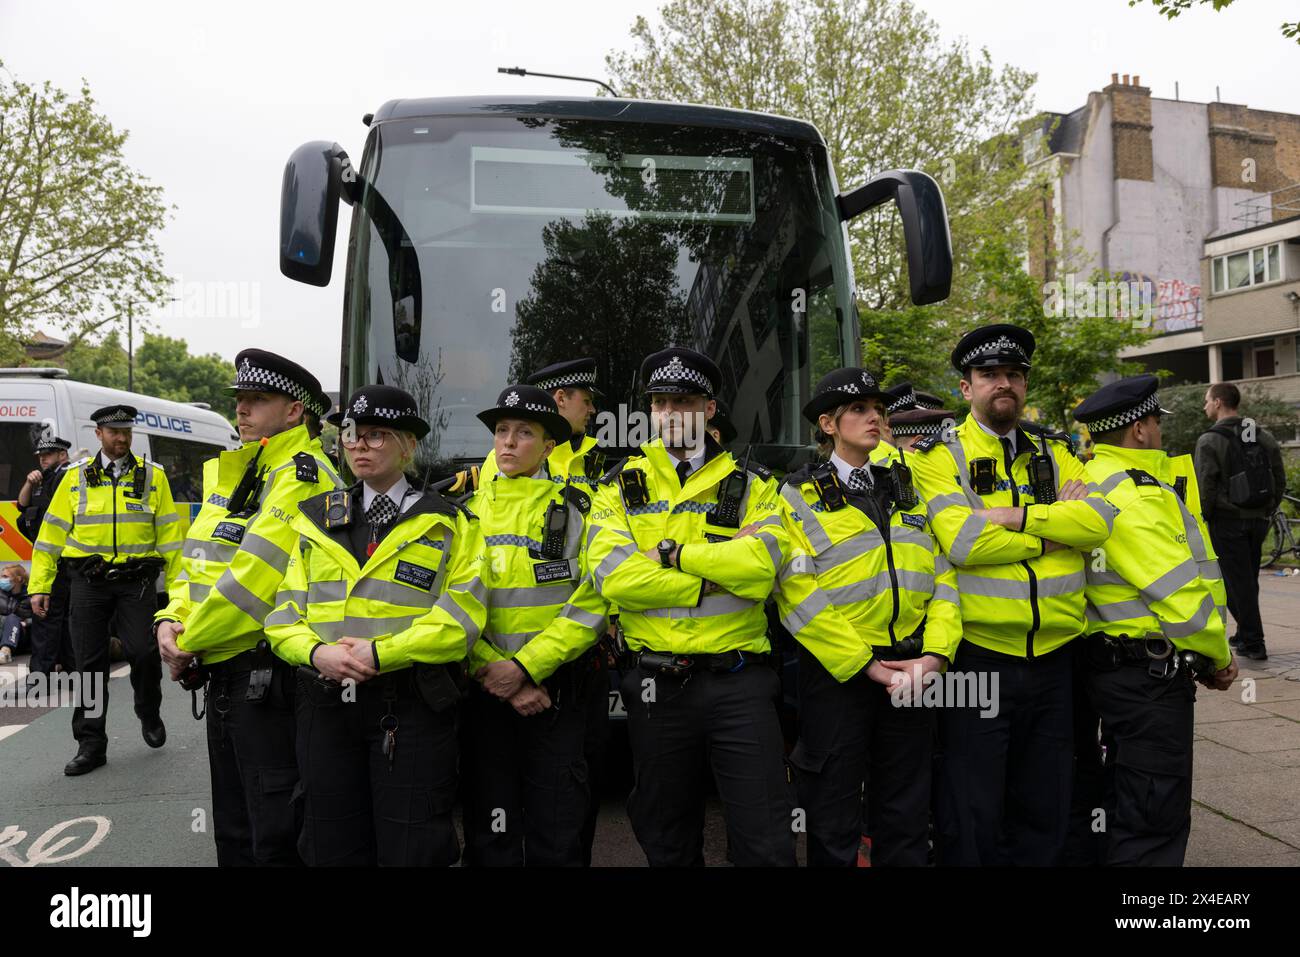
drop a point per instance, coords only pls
(317, 175)
(925, 227)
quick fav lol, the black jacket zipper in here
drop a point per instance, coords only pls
(1033, 579)
(882, 523)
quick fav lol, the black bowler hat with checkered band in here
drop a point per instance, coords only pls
(840, 388)
(257, 370)
(115, 416)
(680, 371)
(901, 398)
(1000, 344)
(385, 405)
(919, 421)
(1120, 403)
(531, 404)
(573, 374)
(52, 443)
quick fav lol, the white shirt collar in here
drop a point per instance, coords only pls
(1012, 435)
(401, 495)
(844, 468)
(696, 461)
(118, 464)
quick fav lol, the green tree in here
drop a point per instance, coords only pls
(78, 226)
(164, 368)
(886, 92)
(1174, 8)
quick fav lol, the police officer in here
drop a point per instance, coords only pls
(112, 524)
(687, 544)
(1011, 512)
(51, 639)
(235, 556)
(1155, 623)
(910, 426)
(379, 606)
(572, 387)
(721, 427)
(871, 601)
(528, 788)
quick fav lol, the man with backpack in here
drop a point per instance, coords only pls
(1242, 479)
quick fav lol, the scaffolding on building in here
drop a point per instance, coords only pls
(1269, 207)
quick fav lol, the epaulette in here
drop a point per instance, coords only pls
(577, 498)
(762, 471)
(799, 476)
(609, 476)
(306, 468)
(927, 443)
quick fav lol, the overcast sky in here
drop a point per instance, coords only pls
(216, 97)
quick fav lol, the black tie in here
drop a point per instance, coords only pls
(381, 511)
(683, 469)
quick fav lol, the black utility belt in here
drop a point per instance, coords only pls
(908, 648)
(439, 685)
(1161, 657)
(667, 663)
(94, 568)
(246, 661)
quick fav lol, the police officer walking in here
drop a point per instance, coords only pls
(51, 639)
(871, 601)
(380, 604)
(113, 526)
(528, 790)
(1011, 513)
(687, 543)
(1155, 624)
(235, 555)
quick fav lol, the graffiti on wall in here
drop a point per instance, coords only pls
(1175, 304)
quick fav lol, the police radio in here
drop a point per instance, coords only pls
(1042, 481)
(139, 479)
(983, 475)
(554, 527)
(730, 493)
(900, 480)
(249, 487)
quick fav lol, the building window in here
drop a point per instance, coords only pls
(1233, 364)
(1250, 268)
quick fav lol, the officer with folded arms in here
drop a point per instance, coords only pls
(51, 640)
(870, 599)
(1155, 623)
(528, 787)
(113, 525)
(687, 543)
(235, 555)
(380, 605)
(1011, 512)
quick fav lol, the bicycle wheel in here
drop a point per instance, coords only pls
(1276, 544)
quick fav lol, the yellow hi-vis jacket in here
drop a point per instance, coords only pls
(852, 585)
(243, 578)
(542, 611)
(1015, 599)
(1157, 573)
(91, 514)
(419, 597)
(582, 465)
(664, 609)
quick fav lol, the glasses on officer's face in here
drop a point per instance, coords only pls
(374, 439)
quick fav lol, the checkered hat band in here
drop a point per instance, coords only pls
(1120, 419)
(676, 371)
(115, 418)
(907, 399)
(587, 379)
(256, 379)
(50, 446)
(379, 412)
(999, 345)
(918, 428)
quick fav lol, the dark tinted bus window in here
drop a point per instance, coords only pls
(183, 462)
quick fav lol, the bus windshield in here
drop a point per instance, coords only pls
(484, 248)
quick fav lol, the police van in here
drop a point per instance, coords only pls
(178, 436)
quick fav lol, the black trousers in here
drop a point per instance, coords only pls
(1006, 778)
(1149, 798)
(853, 732)
(679, 729)
(595, 743)
(130, 605)
(254, 769)
(51, 636)
(360, 808)
(527, 790)
(1085, 846)
(1238, 543)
